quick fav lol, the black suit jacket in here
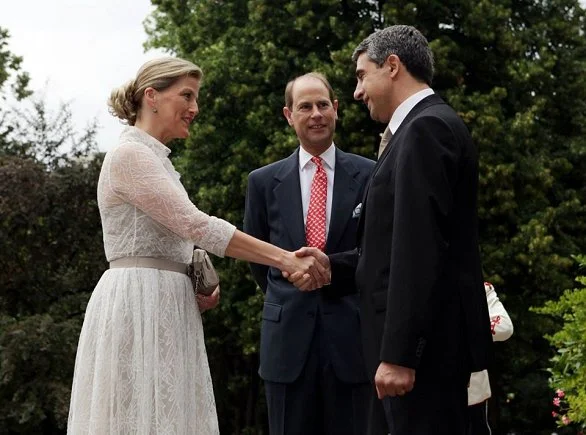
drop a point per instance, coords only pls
(274, 214)
(417, 263)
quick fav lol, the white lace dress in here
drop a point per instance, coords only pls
(141, 365)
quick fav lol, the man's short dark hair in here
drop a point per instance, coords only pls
(407, 43)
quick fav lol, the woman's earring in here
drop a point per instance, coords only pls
(155, 110)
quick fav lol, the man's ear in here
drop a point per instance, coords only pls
(335, 106)
(289, 115)
(393, 63)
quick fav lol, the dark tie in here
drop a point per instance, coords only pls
(315, 228)
(385, 139)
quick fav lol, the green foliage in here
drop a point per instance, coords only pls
(51, 259)
(47, 137)
(13, 85)
(10, 72)
(36, 368)
(568, 366)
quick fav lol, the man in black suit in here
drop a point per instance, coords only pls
(417, 266)
(310, 354)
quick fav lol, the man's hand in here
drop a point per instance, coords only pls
(302, 282)
(208, 302)
(392, 380)
(306, 269)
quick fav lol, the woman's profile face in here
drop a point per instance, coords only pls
(176, 109)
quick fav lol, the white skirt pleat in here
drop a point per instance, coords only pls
(141, 365)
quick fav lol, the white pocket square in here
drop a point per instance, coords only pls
(357, 210)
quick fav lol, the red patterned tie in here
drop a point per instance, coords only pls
(315, 228)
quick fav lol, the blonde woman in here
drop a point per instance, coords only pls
(141, 365)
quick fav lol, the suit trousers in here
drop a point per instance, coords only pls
(478, 419)
(317, 402)
(433, 407)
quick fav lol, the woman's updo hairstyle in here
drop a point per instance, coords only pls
(160, 74)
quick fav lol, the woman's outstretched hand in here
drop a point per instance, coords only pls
(208, 302)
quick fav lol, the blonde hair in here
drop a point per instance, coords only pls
(160, 74)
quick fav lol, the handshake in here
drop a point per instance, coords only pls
(307, 269)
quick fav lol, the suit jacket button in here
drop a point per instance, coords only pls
(311, 314)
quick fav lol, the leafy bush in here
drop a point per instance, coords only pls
(568, 370)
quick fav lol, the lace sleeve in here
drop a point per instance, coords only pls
(137, 176)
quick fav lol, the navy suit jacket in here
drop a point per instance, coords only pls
(274, 214)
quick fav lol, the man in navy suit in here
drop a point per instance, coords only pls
(310, 355)
(417, 265)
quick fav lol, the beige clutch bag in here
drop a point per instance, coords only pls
(202, 273)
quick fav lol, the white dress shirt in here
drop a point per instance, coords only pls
(406, 106)
(306, 171)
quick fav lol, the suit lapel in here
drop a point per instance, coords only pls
(423, 104)
(344, 197)
(288, 195)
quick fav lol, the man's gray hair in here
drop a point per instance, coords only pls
(407, 43)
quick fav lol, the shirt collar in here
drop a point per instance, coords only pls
(406, 106)
(328, 157)
(137, 134)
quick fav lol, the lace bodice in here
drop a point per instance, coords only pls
(145, 209)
